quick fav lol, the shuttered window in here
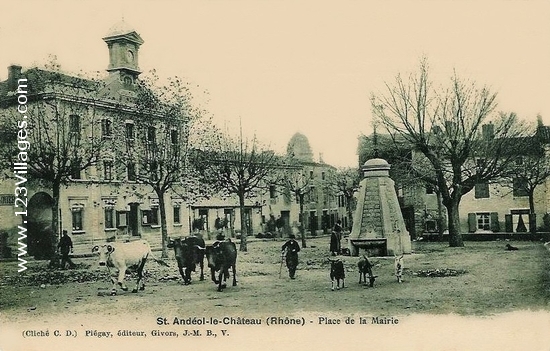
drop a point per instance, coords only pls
(109, 218)
(520, 188)
(483, 221)
(482, 190)
(177, 211)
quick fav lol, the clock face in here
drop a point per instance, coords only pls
(130, 56)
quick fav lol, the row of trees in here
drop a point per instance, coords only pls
(170, 144)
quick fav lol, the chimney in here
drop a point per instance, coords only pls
(14, 73)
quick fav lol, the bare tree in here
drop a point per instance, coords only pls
(240, 167)
(445, 127)
(155, 146)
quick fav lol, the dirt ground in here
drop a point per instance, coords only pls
(486, 280)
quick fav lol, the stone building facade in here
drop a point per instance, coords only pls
(102, 202)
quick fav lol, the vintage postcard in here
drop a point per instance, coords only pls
(275, 175)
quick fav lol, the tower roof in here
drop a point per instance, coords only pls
(120, 28)
(123, 30)
(299, 147)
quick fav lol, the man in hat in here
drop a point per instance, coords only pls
(292, 248)
(65, 247)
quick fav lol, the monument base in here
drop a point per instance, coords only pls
(373, 247)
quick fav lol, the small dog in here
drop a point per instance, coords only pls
(511, 248)
(547, 245)
(398, 264)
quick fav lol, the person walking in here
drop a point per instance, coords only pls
(335, 239)
(292, 248)
(65, 247)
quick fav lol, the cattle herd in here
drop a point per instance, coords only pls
(221, 256)
(189, 252)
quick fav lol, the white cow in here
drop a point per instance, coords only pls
(123, 256)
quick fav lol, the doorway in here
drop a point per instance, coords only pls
(133, 219)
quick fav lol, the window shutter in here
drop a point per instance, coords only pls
(495, 225)
(472, 222)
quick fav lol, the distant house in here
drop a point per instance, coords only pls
(503, 204)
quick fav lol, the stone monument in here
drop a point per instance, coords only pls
(378, 224)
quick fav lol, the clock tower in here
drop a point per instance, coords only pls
(123, 43)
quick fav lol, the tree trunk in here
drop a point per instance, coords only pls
(301, 219)
(163, 225)
(455, 236)
(56, 190)
(532, 224)
(244, 230)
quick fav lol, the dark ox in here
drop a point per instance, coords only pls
(125, 256)
(189, 252)
(337, 273)
(221, 256)
(365, 269)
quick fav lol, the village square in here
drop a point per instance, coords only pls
(120, 189)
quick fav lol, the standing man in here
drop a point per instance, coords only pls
(335, 239)
(65, 247)
(292, 248)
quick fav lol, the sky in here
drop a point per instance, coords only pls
(281, 67)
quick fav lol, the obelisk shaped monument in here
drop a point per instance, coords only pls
(378, 222)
